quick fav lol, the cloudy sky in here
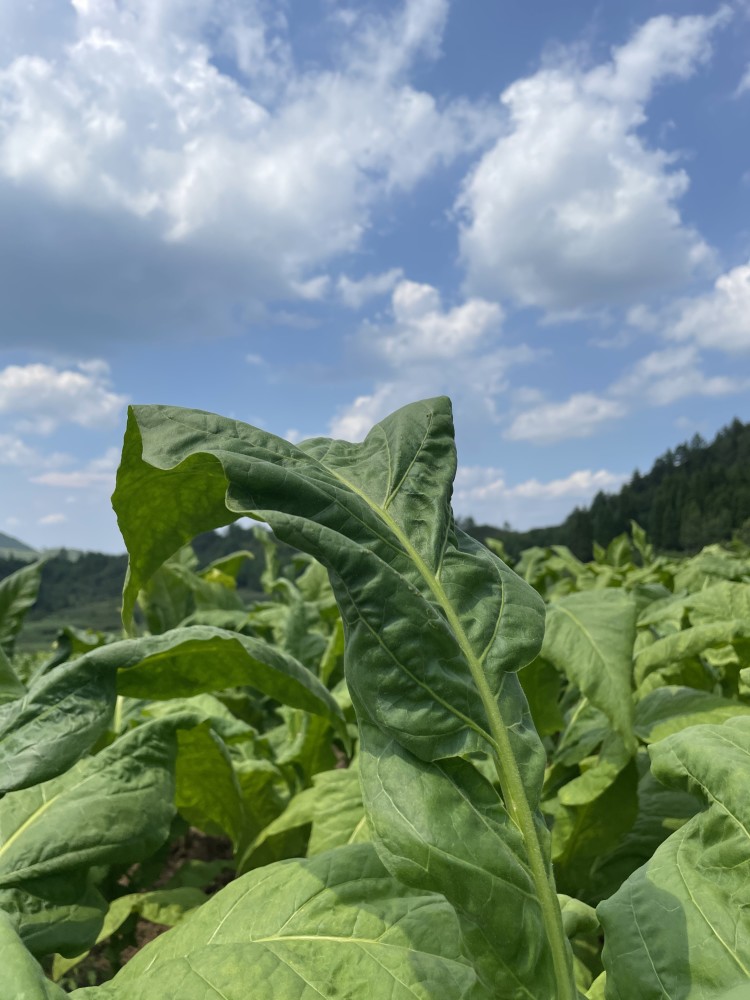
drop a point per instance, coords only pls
(305, 214)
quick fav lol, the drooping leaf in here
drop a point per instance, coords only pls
(436, 626)
(689, 642)
(590, 637)
(189, 661)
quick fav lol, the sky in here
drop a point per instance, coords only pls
(306, 214)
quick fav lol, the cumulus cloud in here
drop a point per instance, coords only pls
(720, 318)
(571, 208)
(40, 397)
(427, 349)
(579, 416)
(171, 160)
(355, 292)
(422, 330)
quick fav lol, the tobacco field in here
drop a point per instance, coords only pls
(429, 775)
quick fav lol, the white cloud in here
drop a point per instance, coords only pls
(50, 519)
(352, 422)
(356, 292)
(579, 416)
(719, 319)
(423, 331)
(14, 451)
(484, 493)
(744, 85)
(41, 397)
(148, 168)
(428, 349)
(657, 379)
(388, 45)
(571, 208)
(663, 377)
(98, 473)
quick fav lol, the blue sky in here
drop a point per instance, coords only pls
(306, 214)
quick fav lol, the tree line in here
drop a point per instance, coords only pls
(695, 494)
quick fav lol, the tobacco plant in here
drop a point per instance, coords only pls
(454, 898)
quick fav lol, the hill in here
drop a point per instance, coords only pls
(11, 545)
(694, 494)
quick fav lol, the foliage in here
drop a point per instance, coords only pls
(515, 795)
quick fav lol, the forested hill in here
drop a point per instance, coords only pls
(91, 583)
(694, 495)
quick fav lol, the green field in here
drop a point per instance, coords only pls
(417, 767)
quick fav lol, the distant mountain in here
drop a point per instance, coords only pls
(10, 544)
(694, 495)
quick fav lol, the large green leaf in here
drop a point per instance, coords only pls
(61, 716)
(18, 593)
(189, 661)
(436, 625)
(207, 791)
(52, 834)
(159, 906)
(590, 637)
(462, 839)
(331, 927)
(680, 926)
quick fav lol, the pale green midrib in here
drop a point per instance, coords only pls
(509, 776)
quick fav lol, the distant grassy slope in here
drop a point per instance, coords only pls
(10, 546)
